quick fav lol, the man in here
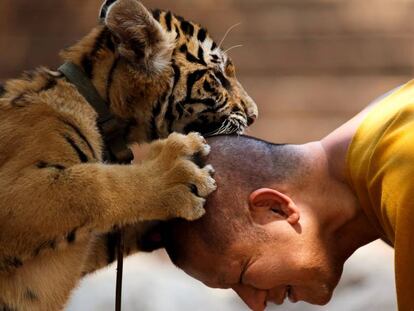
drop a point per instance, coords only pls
(286, 217)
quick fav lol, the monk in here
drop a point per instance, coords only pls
(285, 218)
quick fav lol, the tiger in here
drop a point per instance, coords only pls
(60, 201)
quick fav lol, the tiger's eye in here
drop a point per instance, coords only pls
(230, 69)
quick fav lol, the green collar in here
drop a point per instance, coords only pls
(113, 130)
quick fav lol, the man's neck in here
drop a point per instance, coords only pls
(332, 204)
(353, 230)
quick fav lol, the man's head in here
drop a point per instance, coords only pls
(260, 236)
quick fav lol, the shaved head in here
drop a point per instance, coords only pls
(242, 164)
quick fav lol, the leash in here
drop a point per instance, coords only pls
(116, 150)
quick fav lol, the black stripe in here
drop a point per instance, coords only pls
(138, 47)
(169, 116)
(177, 31)
(18, 101)
(30, 295)
(2, 90)
(202, 35)
(43, 164)
(206, 101)
(6, 308)
(215, 59)
(191, 58)
(80, 134)
(71, 236)
(100, 42)
(193, 78)
(201, 56)
(81, 155)
(183, 48)
(47, 244)
(50, 83)
(156, 14)
(110, 80)
(224, 103)
(156, 110)
(214, 108)
(111, 243)
(214, 46)
(52, 244)
(177, 75)
(180, 110)
(109, 41)
(236, 110)
(168, 18)
(87, 65)
(223, 80)
(187, 28)
(207, 87)
(13, 262)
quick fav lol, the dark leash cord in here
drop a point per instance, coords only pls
(116, 148)
(119, 269)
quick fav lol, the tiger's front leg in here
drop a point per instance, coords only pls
(94, 197)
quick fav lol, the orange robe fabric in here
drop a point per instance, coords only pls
(380, 166)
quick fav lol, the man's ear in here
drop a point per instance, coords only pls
(267, 205)
(139, 36)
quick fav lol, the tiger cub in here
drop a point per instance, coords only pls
(59, 201)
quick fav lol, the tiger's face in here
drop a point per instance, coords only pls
(195, 80)
(206, 95)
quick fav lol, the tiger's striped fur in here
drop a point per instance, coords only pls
(59, 204)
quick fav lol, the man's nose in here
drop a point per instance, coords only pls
(254, 298)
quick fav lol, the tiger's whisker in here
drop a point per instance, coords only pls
(227, 33)
(233, 47)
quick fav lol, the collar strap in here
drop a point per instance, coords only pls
(116, 151)
(112, 129)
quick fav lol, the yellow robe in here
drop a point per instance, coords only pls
(380, 164)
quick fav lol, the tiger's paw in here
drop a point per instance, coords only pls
(183, 181)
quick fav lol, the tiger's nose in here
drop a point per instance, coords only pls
(251, 119)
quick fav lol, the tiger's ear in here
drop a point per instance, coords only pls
(140, 37)
(104, 8)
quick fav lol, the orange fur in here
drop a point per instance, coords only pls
(59, 202)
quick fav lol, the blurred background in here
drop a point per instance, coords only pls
(309, 64)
